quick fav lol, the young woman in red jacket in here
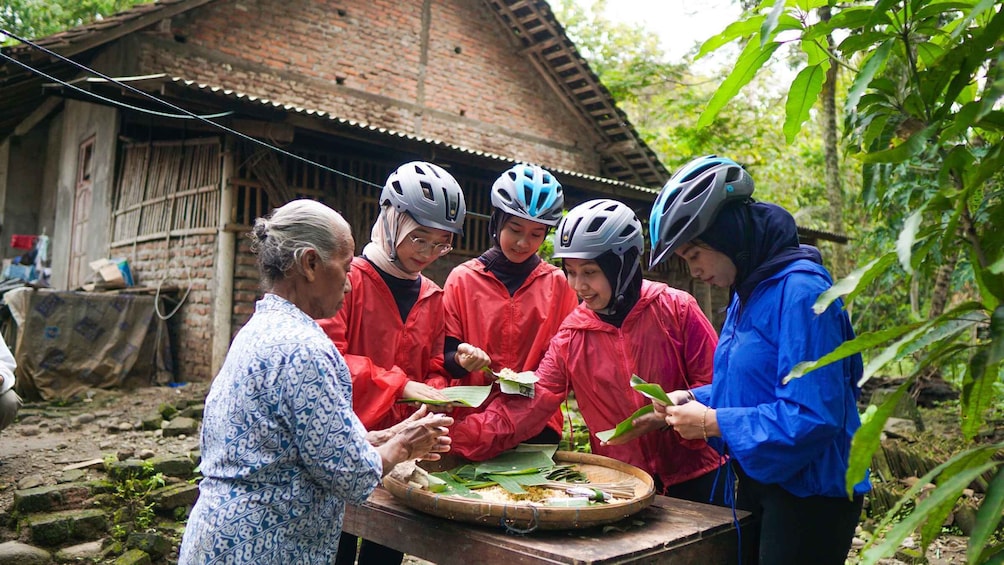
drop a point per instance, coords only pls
(508, 301)
(624, 326)
(390, 329)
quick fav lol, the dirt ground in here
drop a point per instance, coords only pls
(50, 436)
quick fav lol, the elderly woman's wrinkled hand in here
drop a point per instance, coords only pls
(425, 437)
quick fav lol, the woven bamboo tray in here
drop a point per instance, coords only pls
(522, 517)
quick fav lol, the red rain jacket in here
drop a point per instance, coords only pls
(665, 339)
(383, 352)
(514, 330)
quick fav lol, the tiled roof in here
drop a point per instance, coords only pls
(625, 156)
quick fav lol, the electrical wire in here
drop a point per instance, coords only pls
(109, 100)
(177, 108)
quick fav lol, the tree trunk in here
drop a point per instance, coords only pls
(834, 187)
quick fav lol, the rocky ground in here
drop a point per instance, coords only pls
(54, 443)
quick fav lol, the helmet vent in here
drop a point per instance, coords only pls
(627, 231)
(699, 171)
(396, 185)
(504, 196)
(700, 188)
(527, 194)
(596, 224)
(427, 190)
(733, 174)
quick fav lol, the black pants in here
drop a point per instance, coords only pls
(370, 553)
(790, 529)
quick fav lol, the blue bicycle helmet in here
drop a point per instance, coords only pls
(529, 192)
(690, 201)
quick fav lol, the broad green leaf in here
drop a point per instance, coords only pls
(862, 42)
(983, 6)
(987, 517)
(735, 30)
(909, 148)
(859, 278)
(650, 390)
(876, 61)
(904, 345)
(806, 5)
(950, 489)
(961, 120)
(814, 52)
(907, 236)
(945, 330)
(997, 267)
(889, 354)
(626, 425)
(515, 462)
(968, 458)
(977, 393)
(995, 352)
(861, 343)
(869, 436)
(750, 60)
(802, 96)
(514, 483)
(472, 396)
(852, 18)
(769, 24)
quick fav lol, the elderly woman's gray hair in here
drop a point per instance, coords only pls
(280, 240)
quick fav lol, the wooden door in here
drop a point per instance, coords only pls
(79, 269)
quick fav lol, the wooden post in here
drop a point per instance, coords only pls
(226, 243)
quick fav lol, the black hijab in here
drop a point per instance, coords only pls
(616, 268)
(760, 238)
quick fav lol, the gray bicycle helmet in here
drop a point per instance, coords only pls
(690, 201)
(529, 192)
(597, 226)
(427, 192)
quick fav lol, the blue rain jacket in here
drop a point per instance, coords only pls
(796, 435)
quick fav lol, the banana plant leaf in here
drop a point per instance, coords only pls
(472, 396)
(650, 390)
(516, 463)
(625, 426)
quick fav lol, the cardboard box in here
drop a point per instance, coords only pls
(114, 273)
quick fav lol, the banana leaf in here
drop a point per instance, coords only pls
(650, 390)
(626, 425)
(515, 463)
(472, 396)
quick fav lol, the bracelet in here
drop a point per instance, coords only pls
(704, 423)
(690, 394)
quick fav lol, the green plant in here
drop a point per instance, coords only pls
(132, 496)
(922, 116)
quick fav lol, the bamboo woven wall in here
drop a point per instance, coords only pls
(167, 188)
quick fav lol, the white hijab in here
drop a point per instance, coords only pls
(390, 226)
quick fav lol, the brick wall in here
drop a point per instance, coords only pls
(364, 60)
(182, 262)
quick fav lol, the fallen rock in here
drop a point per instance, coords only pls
(17, 553)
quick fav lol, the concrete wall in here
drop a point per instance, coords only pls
(445, 69)
(20, 211)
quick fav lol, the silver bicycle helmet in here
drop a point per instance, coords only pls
(597, 226)
(529, 192)
(690, 201)
(427, 192)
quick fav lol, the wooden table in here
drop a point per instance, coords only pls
(669, 531)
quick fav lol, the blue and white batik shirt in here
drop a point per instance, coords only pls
(282, 450)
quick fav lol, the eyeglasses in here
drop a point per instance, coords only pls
(424, 246)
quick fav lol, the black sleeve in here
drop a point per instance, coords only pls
(450, 358)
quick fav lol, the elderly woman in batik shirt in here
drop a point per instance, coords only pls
(282, 450)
